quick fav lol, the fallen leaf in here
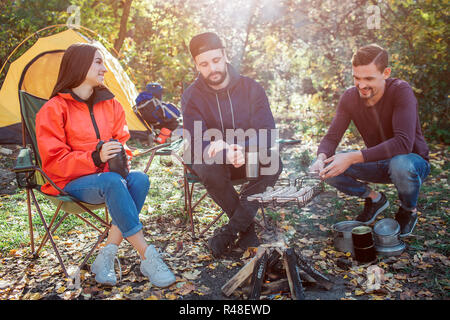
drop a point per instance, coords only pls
(359, 292)
(193, 275)
(171, 296)
(61, 289)
(35, 296)
(186, 289)
(127, 290)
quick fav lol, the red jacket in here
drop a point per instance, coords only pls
(67, 134)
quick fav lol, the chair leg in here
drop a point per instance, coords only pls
(100, 239)
(44, 241)
(149, 162)
(211, 223)
(188, 201)
(106, 214)
(200, 200)
(59, 222)
(30, 221)
(47, 230)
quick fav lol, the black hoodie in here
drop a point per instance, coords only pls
(243, 104)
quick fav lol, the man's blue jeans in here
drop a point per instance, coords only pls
(407, 172)
(124, 198)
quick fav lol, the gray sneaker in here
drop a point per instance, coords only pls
(155, 269)
(103, 266)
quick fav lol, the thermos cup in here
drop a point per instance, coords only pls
(251, 165)
(119, 162)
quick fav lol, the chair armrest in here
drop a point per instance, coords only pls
(138, 153)
(288, 141)
(24, 162)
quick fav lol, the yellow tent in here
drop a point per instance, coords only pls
(36, 72)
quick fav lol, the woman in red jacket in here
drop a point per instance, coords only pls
(71, 129)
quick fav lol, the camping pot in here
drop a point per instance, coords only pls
(342, 235)
(387, 241)
(362, 237)
(386, 233)
(391, 251)
(251, 165)
(365, 255)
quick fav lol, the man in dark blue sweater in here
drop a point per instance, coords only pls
(385, 112)
(226, 115)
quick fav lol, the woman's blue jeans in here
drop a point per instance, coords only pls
(124, 198)
(407, 172)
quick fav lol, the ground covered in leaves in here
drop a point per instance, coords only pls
(420, 272)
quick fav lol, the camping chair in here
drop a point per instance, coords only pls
(31, 177)
(190, 179)
(28, 84)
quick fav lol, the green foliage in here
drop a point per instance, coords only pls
(158, 49)
(19, 19)
(299, 50)
(418, 42)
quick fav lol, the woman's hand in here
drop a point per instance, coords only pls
(128, 162)
(109, 150)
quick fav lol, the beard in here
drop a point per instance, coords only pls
(369, 93)
(223, 75)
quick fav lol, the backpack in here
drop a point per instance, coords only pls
(158, 114)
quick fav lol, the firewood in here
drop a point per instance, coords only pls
(281, 285)
(321, 279)
(295, 283)
(259, 272)
(243, 274)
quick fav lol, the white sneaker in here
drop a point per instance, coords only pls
(103, 266)
(155, 269)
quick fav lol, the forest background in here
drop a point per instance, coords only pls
(299, 50)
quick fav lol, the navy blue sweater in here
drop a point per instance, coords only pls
(243, 104)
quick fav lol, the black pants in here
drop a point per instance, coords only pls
(217, 179)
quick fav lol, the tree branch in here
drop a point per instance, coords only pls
(123, 25)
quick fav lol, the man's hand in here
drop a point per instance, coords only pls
(318, 165)
(216, 146)
(109, 150)
(340, 162)
(235, 155)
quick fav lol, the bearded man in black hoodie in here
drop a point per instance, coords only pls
(217, 108)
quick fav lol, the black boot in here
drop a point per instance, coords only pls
(248, 238)
(221, 241)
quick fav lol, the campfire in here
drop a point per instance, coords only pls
(276, 267)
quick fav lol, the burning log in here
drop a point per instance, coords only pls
(295, 283)
(316, 275)
(281, 285)
(275, 260)
(266, 264)
(259, 272)
(243, 274)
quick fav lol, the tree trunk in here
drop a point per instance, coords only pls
(240, 57)
(123, 25)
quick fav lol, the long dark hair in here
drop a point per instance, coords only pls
(75, 64)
